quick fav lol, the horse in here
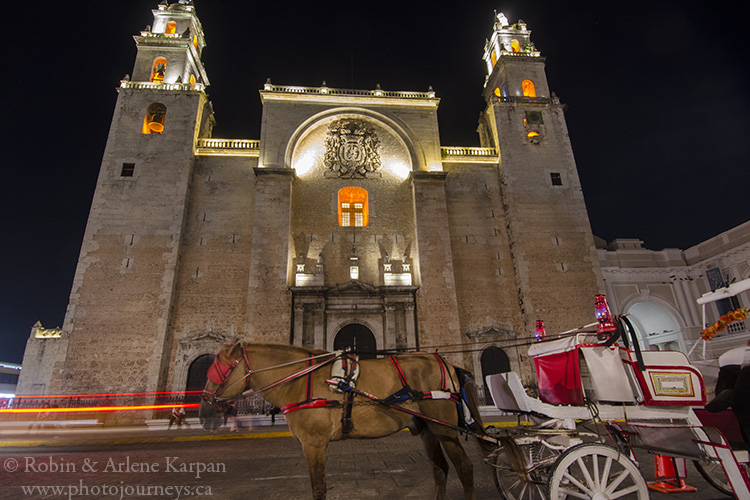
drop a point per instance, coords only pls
(275, 370)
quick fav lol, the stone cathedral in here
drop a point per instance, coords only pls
(347, 223)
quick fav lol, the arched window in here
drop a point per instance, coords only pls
(528, 88)
(514, 46)
(494, 57)
(353, 210)
(153, 122)
(171, 28)
(158, 70)
(195, 42)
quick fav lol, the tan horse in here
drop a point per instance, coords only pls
(316, 427)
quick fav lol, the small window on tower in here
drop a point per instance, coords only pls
(494, 58)
(171, 28)
(556, 178)
(195, 42)
(514, 46)
(528, 88)
(353, 209)
(128, 169)
(158, 70)
(153, 122)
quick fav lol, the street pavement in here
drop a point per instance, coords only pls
(265, 463)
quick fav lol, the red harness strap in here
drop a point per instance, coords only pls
(309, 401)
(407, 393)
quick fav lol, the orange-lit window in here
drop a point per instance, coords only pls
(153, 122)
(514, 46)
(192, 79)
(195, 42)
(158, 70)
(171, 28)
(353, 210)
(528, 88)
(494, 58)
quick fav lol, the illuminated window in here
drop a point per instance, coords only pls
(514, 46)
(153, 122)
(195, 42)
(171, 28)
(353, 210)
(158, 70)
(528, 88)
(192, 79)
(494, 58)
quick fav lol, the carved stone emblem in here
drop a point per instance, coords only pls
(351, 148)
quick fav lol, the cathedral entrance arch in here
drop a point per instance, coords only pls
(358, 337)
(197, 373)
(493, 360)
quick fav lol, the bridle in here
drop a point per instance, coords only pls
(219, 373)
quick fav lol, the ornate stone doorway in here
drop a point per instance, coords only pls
(358, 337)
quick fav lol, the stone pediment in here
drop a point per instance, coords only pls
(353, 287)
(206, 337)
(490, 333)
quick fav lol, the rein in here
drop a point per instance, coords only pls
(219, 373)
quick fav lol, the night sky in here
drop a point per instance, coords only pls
(657, 94)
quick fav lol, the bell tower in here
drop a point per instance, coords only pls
(125, 283)
(169, 51)
(551, 245)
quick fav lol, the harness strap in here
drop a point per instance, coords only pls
(399, 371)
(314, 403)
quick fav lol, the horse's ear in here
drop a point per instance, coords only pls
(231, 348)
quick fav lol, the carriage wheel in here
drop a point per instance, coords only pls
(531, 486)
(596, 471)
(714, 475)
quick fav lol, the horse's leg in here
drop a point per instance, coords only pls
(461, 461)
(315, 453)
(439, 463)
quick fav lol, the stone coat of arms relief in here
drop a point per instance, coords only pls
(351, 149)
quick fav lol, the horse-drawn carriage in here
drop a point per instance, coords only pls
(599, 398)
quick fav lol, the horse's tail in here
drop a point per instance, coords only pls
(469, 394)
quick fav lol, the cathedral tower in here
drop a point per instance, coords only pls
(124, 285)
(549, 235)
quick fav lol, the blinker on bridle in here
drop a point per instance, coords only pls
(219, 373)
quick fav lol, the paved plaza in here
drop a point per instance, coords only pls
(266, 463)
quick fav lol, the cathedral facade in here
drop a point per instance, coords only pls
(347, 223)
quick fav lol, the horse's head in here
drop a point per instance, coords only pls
(227, 379)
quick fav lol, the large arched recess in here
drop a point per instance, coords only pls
(658, 326)
(409, 141)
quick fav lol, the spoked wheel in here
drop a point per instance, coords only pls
(598, 472)
(714, 474)
(529, 486)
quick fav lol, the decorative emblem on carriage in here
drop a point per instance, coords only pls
(351, 148)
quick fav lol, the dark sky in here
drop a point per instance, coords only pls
(657, 93)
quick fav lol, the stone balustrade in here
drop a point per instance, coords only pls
(292, 89)
(198, 87)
